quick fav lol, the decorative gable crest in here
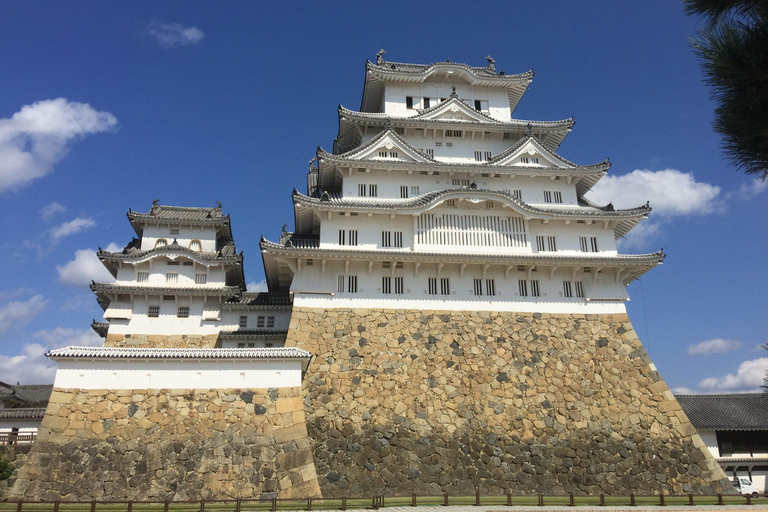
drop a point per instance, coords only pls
(454, 109)
(388, 145)
(530, 152)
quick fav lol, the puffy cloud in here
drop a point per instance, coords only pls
(38, 136)
(169, 35)
(18, 313)
(682, 390)
(63, 337)
(748, 191)
(715, 346)
(72, 227)
(748, 377)
(31, 366)
(85, 268)
(671, 192)
(51, 210)
(254, 286)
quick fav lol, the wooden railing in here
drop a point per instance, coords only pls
(380, 501)
(13, 438)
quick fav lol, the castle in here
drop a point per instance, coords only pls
(447, 313)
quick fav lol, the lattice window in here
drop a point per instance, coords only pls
(517, 194)
(522, 287)
(270, 321)
(142, 277)
(535, 289)
(260, 321)
(201, 278)
(551, 244)
(540, 243)
(183, 312)
(404, 191)
(478, 288)
(399, 286)
(432, 285)
(386, 285)
(558, 197)
(243, 323)
(153, 311)
(172, 278)
(347, 237)
(460, 183)
(490, 287)
(470, 230)
(453, 133)
(547, 196)
(567, 289)
(579, 288)
(445, 286)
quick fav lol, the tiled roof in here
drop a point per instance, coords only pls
(100, 328)
(179, 353)
(33, 393)
(738, 411)
(253, 333)
(104, 288)
(173, 248)
(420, 69)
(512, 123)
(407, 254)
(260, 300)
(181, 213)
(429, 198)
(22, 413)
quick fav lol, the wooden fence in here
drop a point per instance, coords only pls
(380, 501)
(13, 438)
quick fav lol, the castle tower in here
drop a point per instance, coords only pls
(192, 396)
(464, 303)
(181, 284)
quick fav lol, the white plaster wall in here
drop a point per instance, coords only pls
(168, 321)
(158, 268)
(394, 97)
(230, 319)
(369, 229)
(710, 439)
(531, 188)
(206, 234)
(313, 288)
(277, 341)
(24, 426)
(177, 374)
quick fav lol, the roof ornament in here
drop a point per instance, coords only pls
(473, 185)
(388, 126)
(609, 207)
(453, 92)
(285, 230)
(325, 197)
(218, 205)
(312, 162)
(529, 130)
(491, 62)
(155, 202)
(379, 58)
(448, 60)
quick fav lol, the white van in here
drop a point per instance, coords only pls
(746, 487)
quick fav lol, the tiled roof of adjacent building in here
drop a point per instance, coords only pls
(738, 411)
(260, 300)
(105, 288)
(22, 413)
(200, 257)
(25, 393)
(178, 353)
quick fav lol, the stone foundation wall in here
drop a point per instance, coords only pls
(176, 444)
(431, 402)
(163, 340)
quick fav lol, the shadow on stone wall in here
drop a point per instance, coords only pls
(436, 402)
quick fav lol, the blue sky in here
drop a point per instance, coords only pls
(105, 106)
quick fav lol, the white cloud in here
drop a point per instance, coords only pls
(64, 336)
(254, 286)
(50, 211)
(671, 192)
(31, 366)
(748, 191)
(85, 268)
(72, 227)
(19, 313)
(682, 390)
(38, 136)
(715, 346)
(640, 236)
(169, 35)
(748, 377)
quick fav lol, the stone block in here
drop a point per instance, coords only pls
(289, 404)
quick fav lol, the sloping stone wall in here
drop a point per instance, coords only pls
(163, 340)
(176, 444)
(431, 402)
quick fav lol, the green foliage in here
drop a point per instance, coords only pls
(6, 468)
(733, 50)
